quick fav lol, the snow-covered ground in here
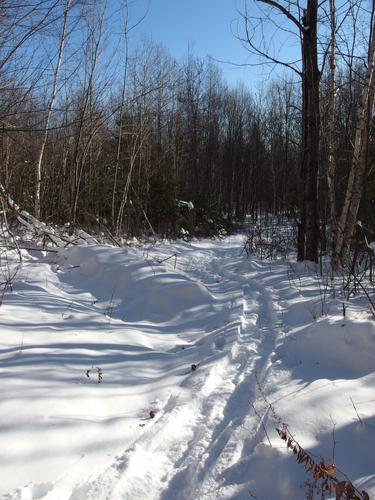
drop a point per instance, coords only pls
(94, 338)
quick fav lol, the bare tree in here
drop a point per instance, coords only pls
(38, 169)
(358, 170)
(304, 22)
(88, 121)
(331, 139)
(126, 31)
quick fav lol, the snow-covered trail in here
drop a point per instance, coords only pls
(193, 445)
(144, 316)
(229, 428)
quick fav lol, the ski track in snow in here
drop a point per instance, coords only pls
(144, 318)
(222, 440)
(187, 451)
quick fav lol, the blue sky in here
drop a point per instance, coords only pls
(207, 26)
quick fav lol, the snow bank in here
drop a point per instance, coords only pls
(333, 348)
(134, 288)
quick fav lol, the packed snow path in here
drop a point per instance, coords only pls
(141, 318)
(186, 450)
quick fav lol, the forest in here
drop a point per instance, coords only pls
(96, 132)
(187, 299)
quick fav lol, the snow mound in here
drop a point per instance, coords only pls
(132, 287)
(334, 348)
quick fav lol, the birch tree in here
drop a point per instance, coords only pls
(38, 168)
(357, 175)
(331, 111)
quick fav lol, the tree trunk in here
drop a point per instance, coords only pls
(357, 175)
(310, 135)
(331, 170)
(121, 111)
(38, 170)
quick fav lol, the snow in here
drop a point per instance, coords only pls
(142, 318)
(188, 204)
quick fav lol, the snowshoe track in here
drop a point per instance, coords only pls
(188, 450)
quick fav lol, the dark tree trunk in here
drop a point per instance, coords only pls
(309, 228)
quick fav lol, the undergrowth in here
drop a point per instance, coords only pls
(325, 479)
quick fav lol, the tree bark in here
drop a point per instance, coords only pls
(331, 170)
(308, 228)
(310, 136)
(121, 111)
(357, 175)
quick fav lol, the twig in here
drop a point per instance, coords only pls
(29, 249)
(262, 423)
(355, 409)
(160, 261)
(16, 247)
(333, 440)
(21, 346)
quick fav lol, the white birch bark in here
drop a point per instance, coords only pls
(357, 175)
(121, 111)
(331, 170)
(38, 169)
